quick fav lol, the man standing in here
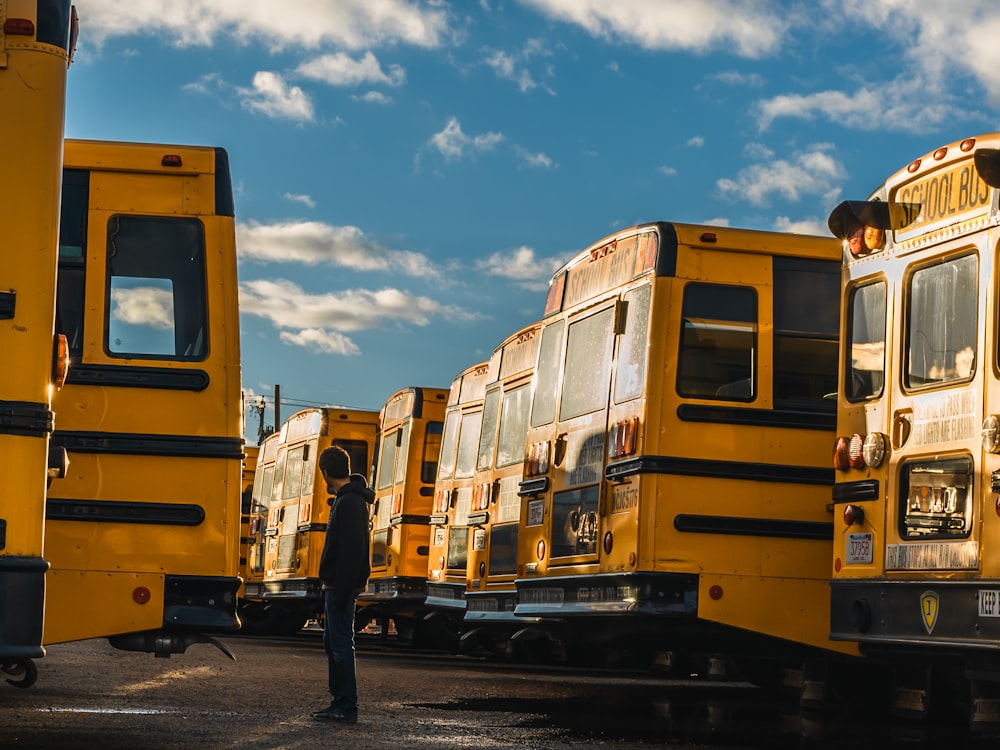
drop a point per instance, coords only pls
(344, 568)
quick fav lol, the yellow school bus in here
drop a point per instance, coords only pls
(677, 471)
(250, 455)
(447, 566)
(36, 41)
(916, 577)
(253, 616)
(495, 511)
(293, 498)
(406, 459)
(143, 532)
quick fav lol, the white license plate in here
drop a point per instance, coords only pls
(859, 549)
(989, 603)
(535, 513)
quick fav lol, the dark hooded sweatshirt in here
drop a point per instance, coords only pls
(344, 565)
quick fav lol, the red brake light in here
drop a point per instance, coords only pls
(171, 160)
(853, 514)
(841, 459)
(19, 27)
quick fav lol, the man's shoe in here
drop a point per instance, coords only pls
(336, 714)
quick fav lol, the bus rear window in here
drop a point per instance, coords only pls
(942, 321)
(156, 288)
(866, 343)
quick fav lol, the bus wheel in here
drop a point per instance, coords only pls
(25, 670)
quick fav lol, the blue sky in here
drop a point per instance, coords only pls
(408, 174)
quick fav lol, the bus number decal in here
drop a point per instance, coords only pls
(624, 498)
(859, 549)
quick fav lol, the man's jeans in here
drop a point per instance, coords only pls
(338, 640)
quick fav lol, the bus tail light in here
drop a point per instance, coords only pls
(481, 496)
(991, 434)
(536, 459)
(853, 514)
(859, 451)
(397, 504)
(441, 501)
(873, 449)
(622, 437)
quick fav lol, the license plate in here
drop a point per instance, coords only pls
(859, 549)
(989, 603)
(535, 513)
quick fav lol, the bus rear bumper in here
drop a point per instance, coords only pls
(22, 606)
(641, 594)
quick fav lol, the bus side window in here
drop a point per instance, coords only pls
(718, 342)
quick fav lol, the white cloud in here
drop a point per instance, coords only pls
(737, 78)
(717, 221)
(342, 70)
(745, 27)
(941, 54)
(533, 160)
(521, 266)
(373, 97)
(811, 172)
(308, 319)
(329, 342)
(811, 226)
(313, 243)
(455, 144)
(318, 321)
(667, 171)
(272, 97)
(144, 305)
(696, 141)
(305, 200)
(350, 24)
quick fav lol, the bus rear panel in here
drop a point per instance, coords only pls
(143, 532)
(677, 475)
(406, 461)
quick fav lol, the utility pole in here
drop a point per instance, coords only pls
(259, 407)
(277, 407)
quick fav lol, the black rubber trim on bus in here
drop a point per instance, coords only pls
(224, 203)
(531, 487)
(132, 444)
(666, 254)
(769, 527)
(852, 492)
(410, 518)
(26, 418)
(124, 511)
(802, 419)
(700, 467)
(122, 376)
